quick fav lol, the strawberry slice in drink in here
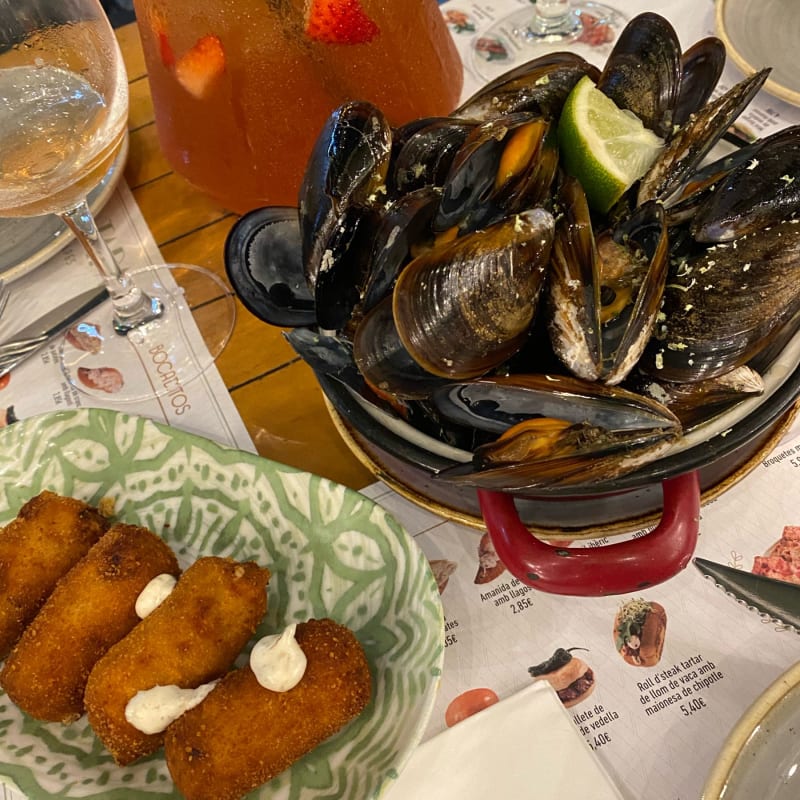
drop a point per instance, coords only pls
(339, 22)
(201, 65)
(165, 50)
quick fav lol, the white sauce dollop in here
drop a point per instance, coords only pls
(152, 710)
(278, 661)
(156, 591)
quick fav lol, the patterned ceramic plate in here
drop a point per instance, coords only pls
(331, 551)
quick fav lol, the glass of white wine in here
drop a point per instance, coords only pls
(63, 121)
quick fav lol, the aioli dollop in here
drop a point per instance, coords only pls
(278, 661)
(152, 710)
(154, 594)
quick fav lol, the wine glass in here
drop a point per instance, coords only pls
(63, 120)
(581, 26)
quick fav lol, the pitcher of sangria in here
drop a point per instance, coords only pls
(242, 88)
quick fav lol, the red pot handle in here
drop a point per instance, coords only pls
(620, 568)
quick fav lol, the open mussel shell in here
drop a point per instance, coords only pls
(384, 361)
(264, 266)
(575, 455)
(346, 266)
(463, 308)
(495, 404)
(425, 157)
(698, 402)
(633, 266)
(540, 86)
(692, 142)
(642, 72)
(554, 430)
(604, 292)
(722, 308)
(755, 194)
(405, 227)
(491, 156)
(327, 354)
(695, 192)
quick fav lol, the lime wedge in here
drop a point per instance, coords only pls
(605, 147)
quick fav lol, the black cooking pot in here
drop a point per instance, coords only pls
(666, 491)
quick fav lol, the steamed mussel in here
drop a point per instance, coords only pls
(454, 275)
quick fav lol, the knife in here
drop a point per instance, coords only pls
(33, 337)
(779, 600)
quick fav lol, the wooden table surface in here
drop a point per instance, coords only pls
(274, 391)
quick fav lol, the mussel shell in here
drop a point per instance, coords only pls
(644, 242)
(695, 192)
(778, 340)
(498, 403)
(465, 307)
(347, 166)
(642, 72)
(755, 194)
(602, 301)
(540, 86)
(701, 69)
(696, 403)
(583, 454)
(405, 226)
(383, 360)
(346, 266)
(690, 144)
(425, 157)
(573, 290)
(327, 355)
(265, 268)
(723, 308)
(470, 183)
(527, 168)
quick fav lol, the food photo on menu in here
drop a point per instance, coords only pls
(782, 560)
(571, 677)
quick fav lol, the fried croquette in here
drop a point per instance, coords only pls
(49, 535)
(91, 608)
(242, 734)
(192, 638)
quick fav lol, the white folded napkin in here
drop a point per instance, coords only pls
(525, 746)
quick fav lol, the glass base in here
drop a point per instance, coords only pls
(159, 358)
(589, 29)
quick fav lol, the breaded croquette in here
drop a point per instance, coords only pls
(46, 539)
(192, 638)
(242, 734)
(91, 608)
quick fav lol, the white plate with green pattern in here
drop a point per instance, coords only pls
(332, 552)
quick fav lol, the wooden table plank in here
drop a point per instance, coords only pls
(173, 207)
(287, 418)
(140, 104)
(131, 46)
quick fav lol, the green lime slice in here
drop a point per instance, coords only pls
(604, 146)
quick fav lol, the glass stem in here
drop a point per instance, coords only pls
(132, 307)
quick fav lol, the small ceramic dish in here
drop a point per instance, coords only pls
(760, 33)
(761, 756)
